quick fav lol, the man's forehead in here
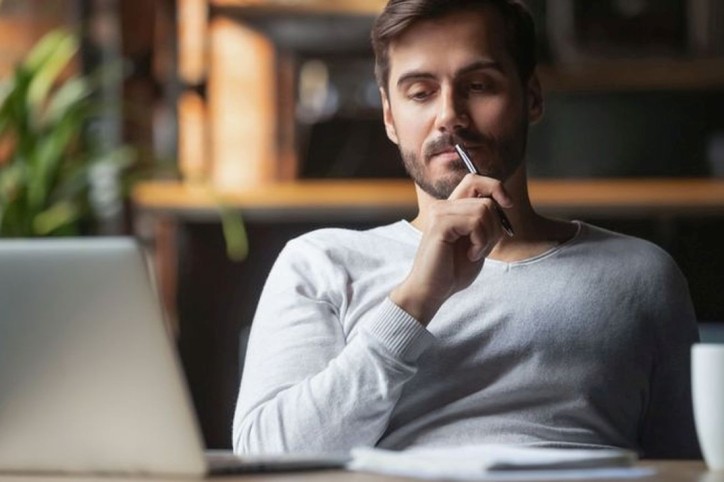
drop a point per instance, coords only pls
(481, 17)
(475, 36)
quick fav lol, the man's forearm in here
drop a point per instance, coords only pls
(346, 404)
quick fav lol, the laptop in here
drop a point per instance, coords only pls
(90, 381)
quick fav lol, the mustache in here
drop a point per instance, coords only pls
(446, 142)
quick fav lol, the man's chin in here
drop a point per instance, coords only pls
(441, 189)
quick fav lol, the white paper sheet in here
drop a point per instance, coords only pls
(499, 462)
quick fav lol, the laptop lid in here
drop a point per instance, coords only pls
(89, 378)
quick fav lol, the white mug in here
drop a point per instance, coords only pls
(707, 381)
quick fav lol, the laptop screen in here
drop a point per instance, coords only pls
(90, 378)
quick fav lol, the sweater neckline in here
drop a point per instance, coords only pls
(416, 235)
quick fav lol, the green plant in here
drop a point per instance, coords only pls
(48, 156)
(46, 151)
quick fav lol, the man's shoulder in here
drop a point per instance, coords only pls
(342, 236)
(625, 249)
(336, 242)
(341, 254)
(593, 233)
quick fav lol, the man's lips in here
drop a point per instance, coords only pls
(449, 152)
(442, 150)
(445, 155)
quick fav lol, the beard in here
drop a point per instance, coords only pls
(498, 157)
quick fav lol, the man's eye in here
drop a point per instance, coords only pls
(478, 87)
(419, 95)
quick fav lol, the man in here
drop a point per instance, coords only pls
(445, 330)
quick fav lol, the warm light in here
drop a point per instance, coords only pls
(192, 47)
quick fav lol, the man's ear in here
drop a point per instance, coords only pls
(387, 115)
(536, 106)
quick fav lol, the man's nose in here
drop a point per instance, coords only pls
(452, 112)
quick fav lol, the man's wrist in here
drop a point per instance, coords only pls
(400, 333)
(420, 306)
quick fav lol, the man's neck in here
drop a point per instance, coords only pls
(534, 234)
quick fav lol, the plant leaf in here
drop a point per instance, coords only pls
(237, 241)
(13, 203)
(6, 89)
(43, 49)
(11, 182)
(15, 114)
(55, 51)
(55, 218)
(71, 95)
(48, 156)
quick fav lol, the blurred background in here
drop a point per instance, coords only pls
(180, 114)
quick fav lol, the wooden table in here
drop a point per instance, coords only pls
(666, 471)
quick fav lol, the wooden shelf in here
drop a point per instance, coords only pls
(352, 7)
(354, 198)
(630, 197)
(634, 75)
(309, 199)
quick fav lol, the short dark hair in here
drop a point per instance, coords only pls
(399, 15)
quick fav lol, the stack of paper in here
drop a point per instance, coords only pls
(502, 461)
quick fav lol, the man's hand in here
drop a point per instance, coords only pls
(459, 234)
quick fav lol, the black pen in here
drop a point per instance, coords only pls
(504, 221)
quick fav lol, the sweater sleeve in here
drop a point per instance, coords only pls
(308, 386)
(668, 429)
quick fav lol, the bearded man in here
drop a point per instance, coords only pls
(444, 330)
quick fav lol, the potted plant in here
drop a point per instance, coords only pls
(47, 154)
(55, 177)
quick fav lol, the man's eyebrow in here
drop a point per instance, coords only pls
(415, 75)
(480, 65)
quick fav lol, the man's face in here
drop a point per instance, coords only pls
(453, 80)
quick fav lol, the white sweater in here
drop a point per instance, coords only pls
(584, 345)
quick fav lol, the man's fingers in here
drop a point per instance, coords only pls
(500, 195)
(466, 188)
(475, 219)
(474, 185)
(484, 233)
